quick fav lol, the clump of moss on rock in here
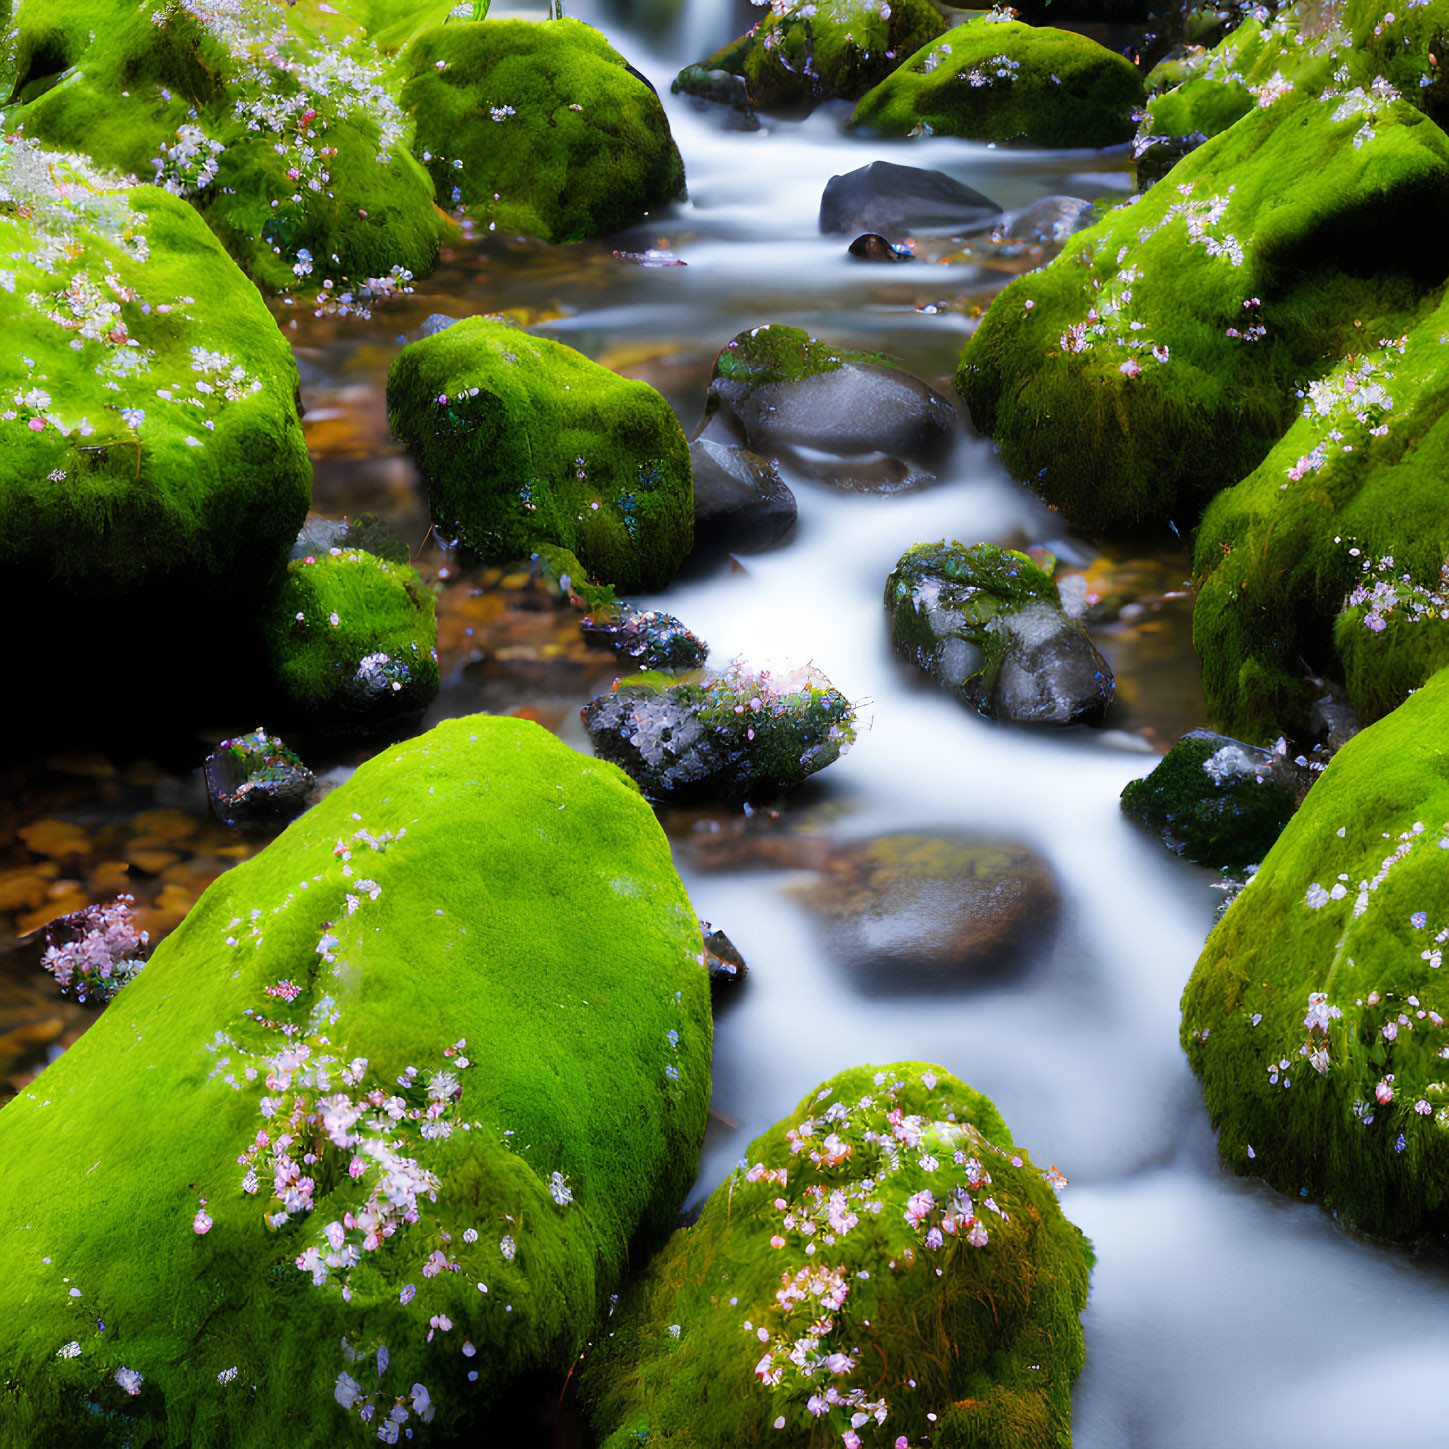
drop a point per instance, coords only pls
(1316, 1016)
(350, 641)
(810, 51)
(885, 1260)
(462, 1001)
(525, 442)
(539, 127)
(1159, 358)
(994, 80)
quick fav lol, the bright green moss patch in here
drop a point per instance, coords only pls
(885, 1252)
(539, 127)
(815, 50)
(772, 354)
(526, 442)
(349, 639)
(463, 1000)
(1159, 358)
(151, 457)
(992, 80)
(1316, 1014)
(1358, 480)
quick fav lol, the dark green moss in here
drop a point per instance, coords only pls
(1316, 1014)
(525, 442)
(946, 1278)
(539, 127)
(994, 80)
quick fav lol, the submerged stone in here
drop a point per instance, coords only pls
(733, 735)
(1316, 1015)
(884, 1256)
(256, 780)
(324, 1159)
(1052, 221)
(988, 624)
(647, 639)
(998, 80)
(875, 248)
(539, 127)
(740, 501)
(525, 442)
(896, 201)
(1216, 801)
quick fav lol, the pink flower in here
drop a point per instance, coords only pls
(37, 425)
(1130, 368)
(1384, 1093)
(201, 1223)
(850, 1439)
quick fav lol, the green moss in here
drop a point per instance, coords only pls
(975, 1325)
(480, 884)
(539, 127)
(526, 442)
(1409, 50)
(993, 80)
(816, 50)
(772, 353)
(1362, 468)
(350, 638)
(301, 164)
(1159, 357)
(151, 456)
(1350, 907)
(1382, 668)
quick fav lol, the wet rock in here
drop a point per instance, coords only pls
(726, 966)
(647, 640)
(651, 260)
(707, 84)
(945, 1297)
(525, 442)
(96, 951)
(732, 735)
(1331, 717)
(1048, 222)
(873, 248)
(740, 501)
(988, 624)
(1214, 800)
(438, 322)
(1155, 156)
(929, 912)
(852, 419)
(897, 201)
(256, 780)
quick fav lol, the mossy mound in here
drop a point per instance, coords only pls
(526, 442)
(539, 127)
(994, 80)
(1213, 801)
(349, 639)
(151, 457)
(1316, 1014)
(1355, 483)
(1158, 358)
(810, 51)
(275, 121)
(884, 1267)
(377, 1124)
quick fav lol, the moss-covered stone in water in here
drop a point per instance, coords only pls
(493, 977)
(1316, 1014)
(273, 120)
(350, 639)
(1213, 801)
(810, 51)
(772, 353)
(1357, 479)
(1158, 359)
(884, 1251)
(151, 456)
(994, 80)
(526, 442)
(256, 780)
(539, 127)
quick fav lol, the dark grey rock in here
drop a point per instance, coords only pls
(726, 965)
(896, 200)
(1048, 222)
(740, 501)
(1052, 673)
(255, 780)
(647, 639)
(438, 322)
(872, 247)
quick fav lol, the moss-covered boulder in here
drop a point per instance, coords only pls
(988, 624)
(739, 734)
(1214, 801)
(999, 80)
(350, 641)
(1316, 1014)
(809, 51)
(152, 466)
(885, 1266)
(255, 780)
(1161, 356)
(277, 124)
(378, 1123)
(526, 442)
(539, 127)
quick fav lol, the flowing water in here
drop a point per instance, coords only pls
(1221, 1313)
